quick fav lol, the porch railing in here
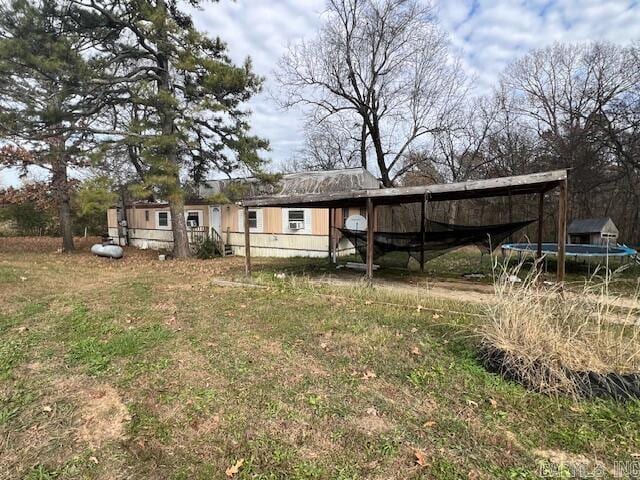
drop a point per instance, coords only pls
(218, 242)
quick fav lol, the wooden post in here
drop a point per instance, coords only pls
(562, 230)
(510, 215)
(370, 226)
(540, 223)
(247, 243)
(330, 236)
(423, 230)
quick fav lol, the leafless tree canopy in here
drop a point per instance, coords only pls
(382, 64)
(379, 76)
(330, 144)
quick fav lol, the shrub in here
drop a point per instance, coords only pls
(206, 249)
(561, 342)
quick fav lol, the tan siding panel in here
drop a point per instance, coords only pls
(320, 221)
(272, 220)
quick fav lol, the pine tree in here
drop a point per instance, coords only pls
(188, 88)
(44, 103)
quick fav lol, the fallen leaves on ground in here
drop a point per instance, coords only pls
(421, 458)
(235, 468)
(369, 374)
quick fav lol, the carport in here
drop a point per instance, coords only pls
(532, 184)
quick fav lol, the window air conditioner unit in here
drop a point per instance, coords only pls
(192, 223)
(296, 225)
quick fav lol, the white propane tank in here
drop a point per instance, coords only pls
(111, 251)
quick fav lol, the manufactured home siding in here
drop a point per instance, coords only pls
(272, 220)
(320, 221)
(273, 238)
(281, 245)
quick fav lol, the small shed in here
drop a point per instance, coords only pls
(593, 231)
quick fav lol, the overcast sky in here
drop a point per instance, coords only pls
(487, 34)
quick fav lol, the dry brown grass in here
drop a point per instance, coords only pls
(543, 337)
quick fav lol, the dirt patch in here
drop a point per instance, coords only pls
(572, 462)
(372, 423)
(101, 416)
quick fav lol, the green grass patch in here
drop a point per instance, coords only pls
(97, 354)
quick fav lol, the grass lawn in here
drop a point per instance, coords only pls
(146, 369)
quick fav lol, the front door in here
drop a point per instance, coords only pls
(216, 219)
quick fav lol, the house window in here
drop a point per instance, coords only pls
(193, 219)
(253, 219)
(363, 212)
(146, 215)
(296, 219)
(345, 215)
(163, 219)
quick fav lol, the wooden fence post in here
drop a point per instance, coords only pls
(247, 243)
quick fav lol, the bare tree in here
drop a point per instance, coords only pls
(582, 101)
(383, 61)
(328, 145)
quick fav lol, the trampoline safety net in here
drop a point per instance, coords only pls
(440, 238)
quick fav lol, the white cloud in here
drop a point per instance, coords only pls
(499, 31)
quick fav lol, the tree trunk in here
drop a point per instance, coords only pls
(363, 146)
(61, 194)
(179, 226)
(66, 226)
(167, 118)
(374, 131)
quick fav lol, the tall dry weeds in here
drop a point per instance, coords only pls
(558, 341)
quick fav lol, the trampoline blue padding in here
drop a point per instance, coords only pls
(574, 250)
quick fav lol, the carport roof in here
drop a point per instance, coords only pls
(494, 187)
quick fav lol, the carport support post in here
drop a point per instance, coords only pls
(331, 222)
(247, 243)
(423, 228)
(540, 223)
(370, 223)
(562, 230)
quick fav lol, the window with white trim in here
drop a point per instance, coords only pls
(296, 219)
(194, 218)
(163, 220)
(253, 219)
(345, 215)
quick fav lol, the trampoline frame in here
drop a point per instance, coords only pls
(618, 250)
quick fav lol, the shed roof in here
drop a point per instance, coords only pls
(515, 185)
(591, 225)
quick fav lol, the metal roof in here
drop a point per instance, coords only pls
(299, 183)
(494, 187)
(589, 225)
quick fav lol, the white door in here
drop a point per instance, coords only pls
(216, 219)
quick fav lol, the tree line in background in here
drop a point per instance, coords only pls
(132, 94)
(383, 90)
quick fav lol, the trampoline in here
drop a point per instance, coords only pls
(574, 250)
